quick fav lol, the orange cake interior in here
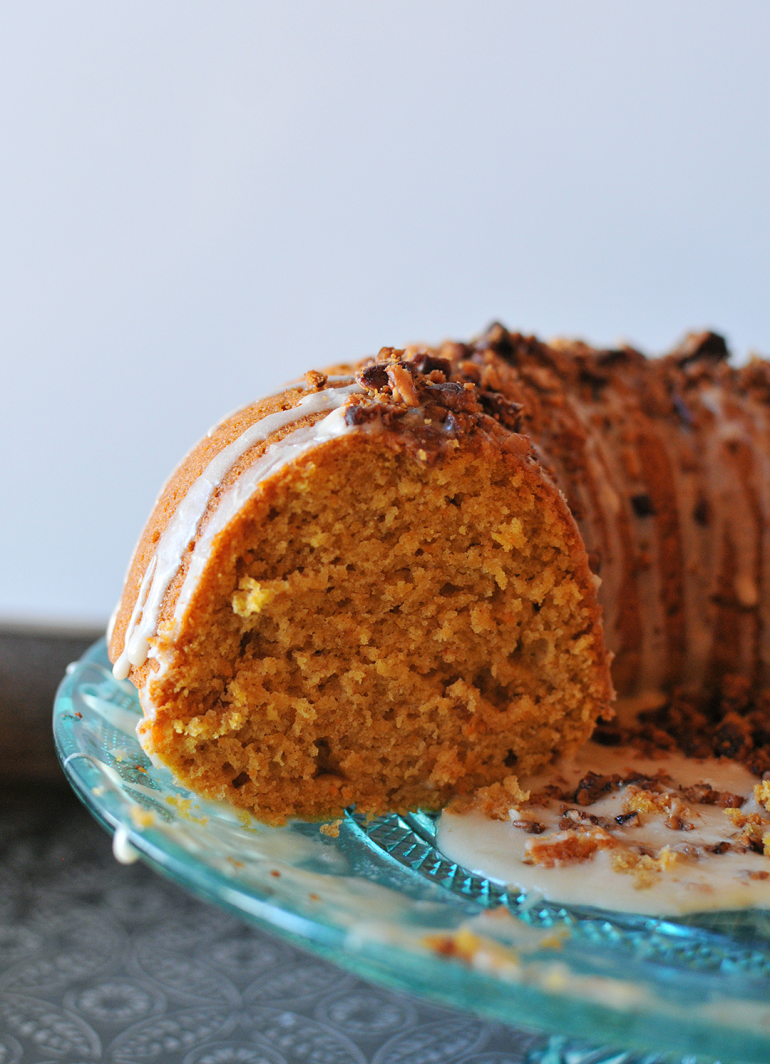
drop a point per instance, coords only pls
(382, 629)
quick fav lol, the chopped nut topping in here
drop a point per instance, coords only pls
(629, 819)
(677, 824)
(703, 794)
(315, 380)
(532, 827)
(718, 847)
(373, 378)
(430, 364)
(401, 379)
(592, 787)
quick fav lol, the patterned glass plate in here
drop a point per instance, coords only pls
(380, 900)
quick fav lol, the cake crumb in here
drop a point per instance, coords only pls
(251, 597)
(637, 800)
(568, 847)
(762, 793)
(495, 801)
(754, 835)
(645, 868)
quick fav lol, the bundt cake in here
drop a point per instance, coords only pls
(379, 586)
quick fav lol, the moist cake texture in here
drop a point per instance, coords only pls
(379, 586)
(387, 604)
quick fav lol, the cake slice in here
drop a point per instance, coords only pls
(365, 590)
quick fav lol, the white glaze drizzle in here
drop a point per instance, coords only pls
(296, 384)
(183, 526)
(274, 459)
(122, 849)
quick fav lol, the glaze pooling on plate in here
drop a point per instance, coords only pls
(380, 899)
(652, 840)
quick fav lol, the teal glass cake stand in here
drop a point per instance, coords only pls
(380, 900)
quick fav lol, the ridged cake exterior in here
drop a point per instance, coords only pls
(380, 585)
(665, 464)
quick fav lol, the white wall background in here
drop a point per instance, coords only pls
(199, 200)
